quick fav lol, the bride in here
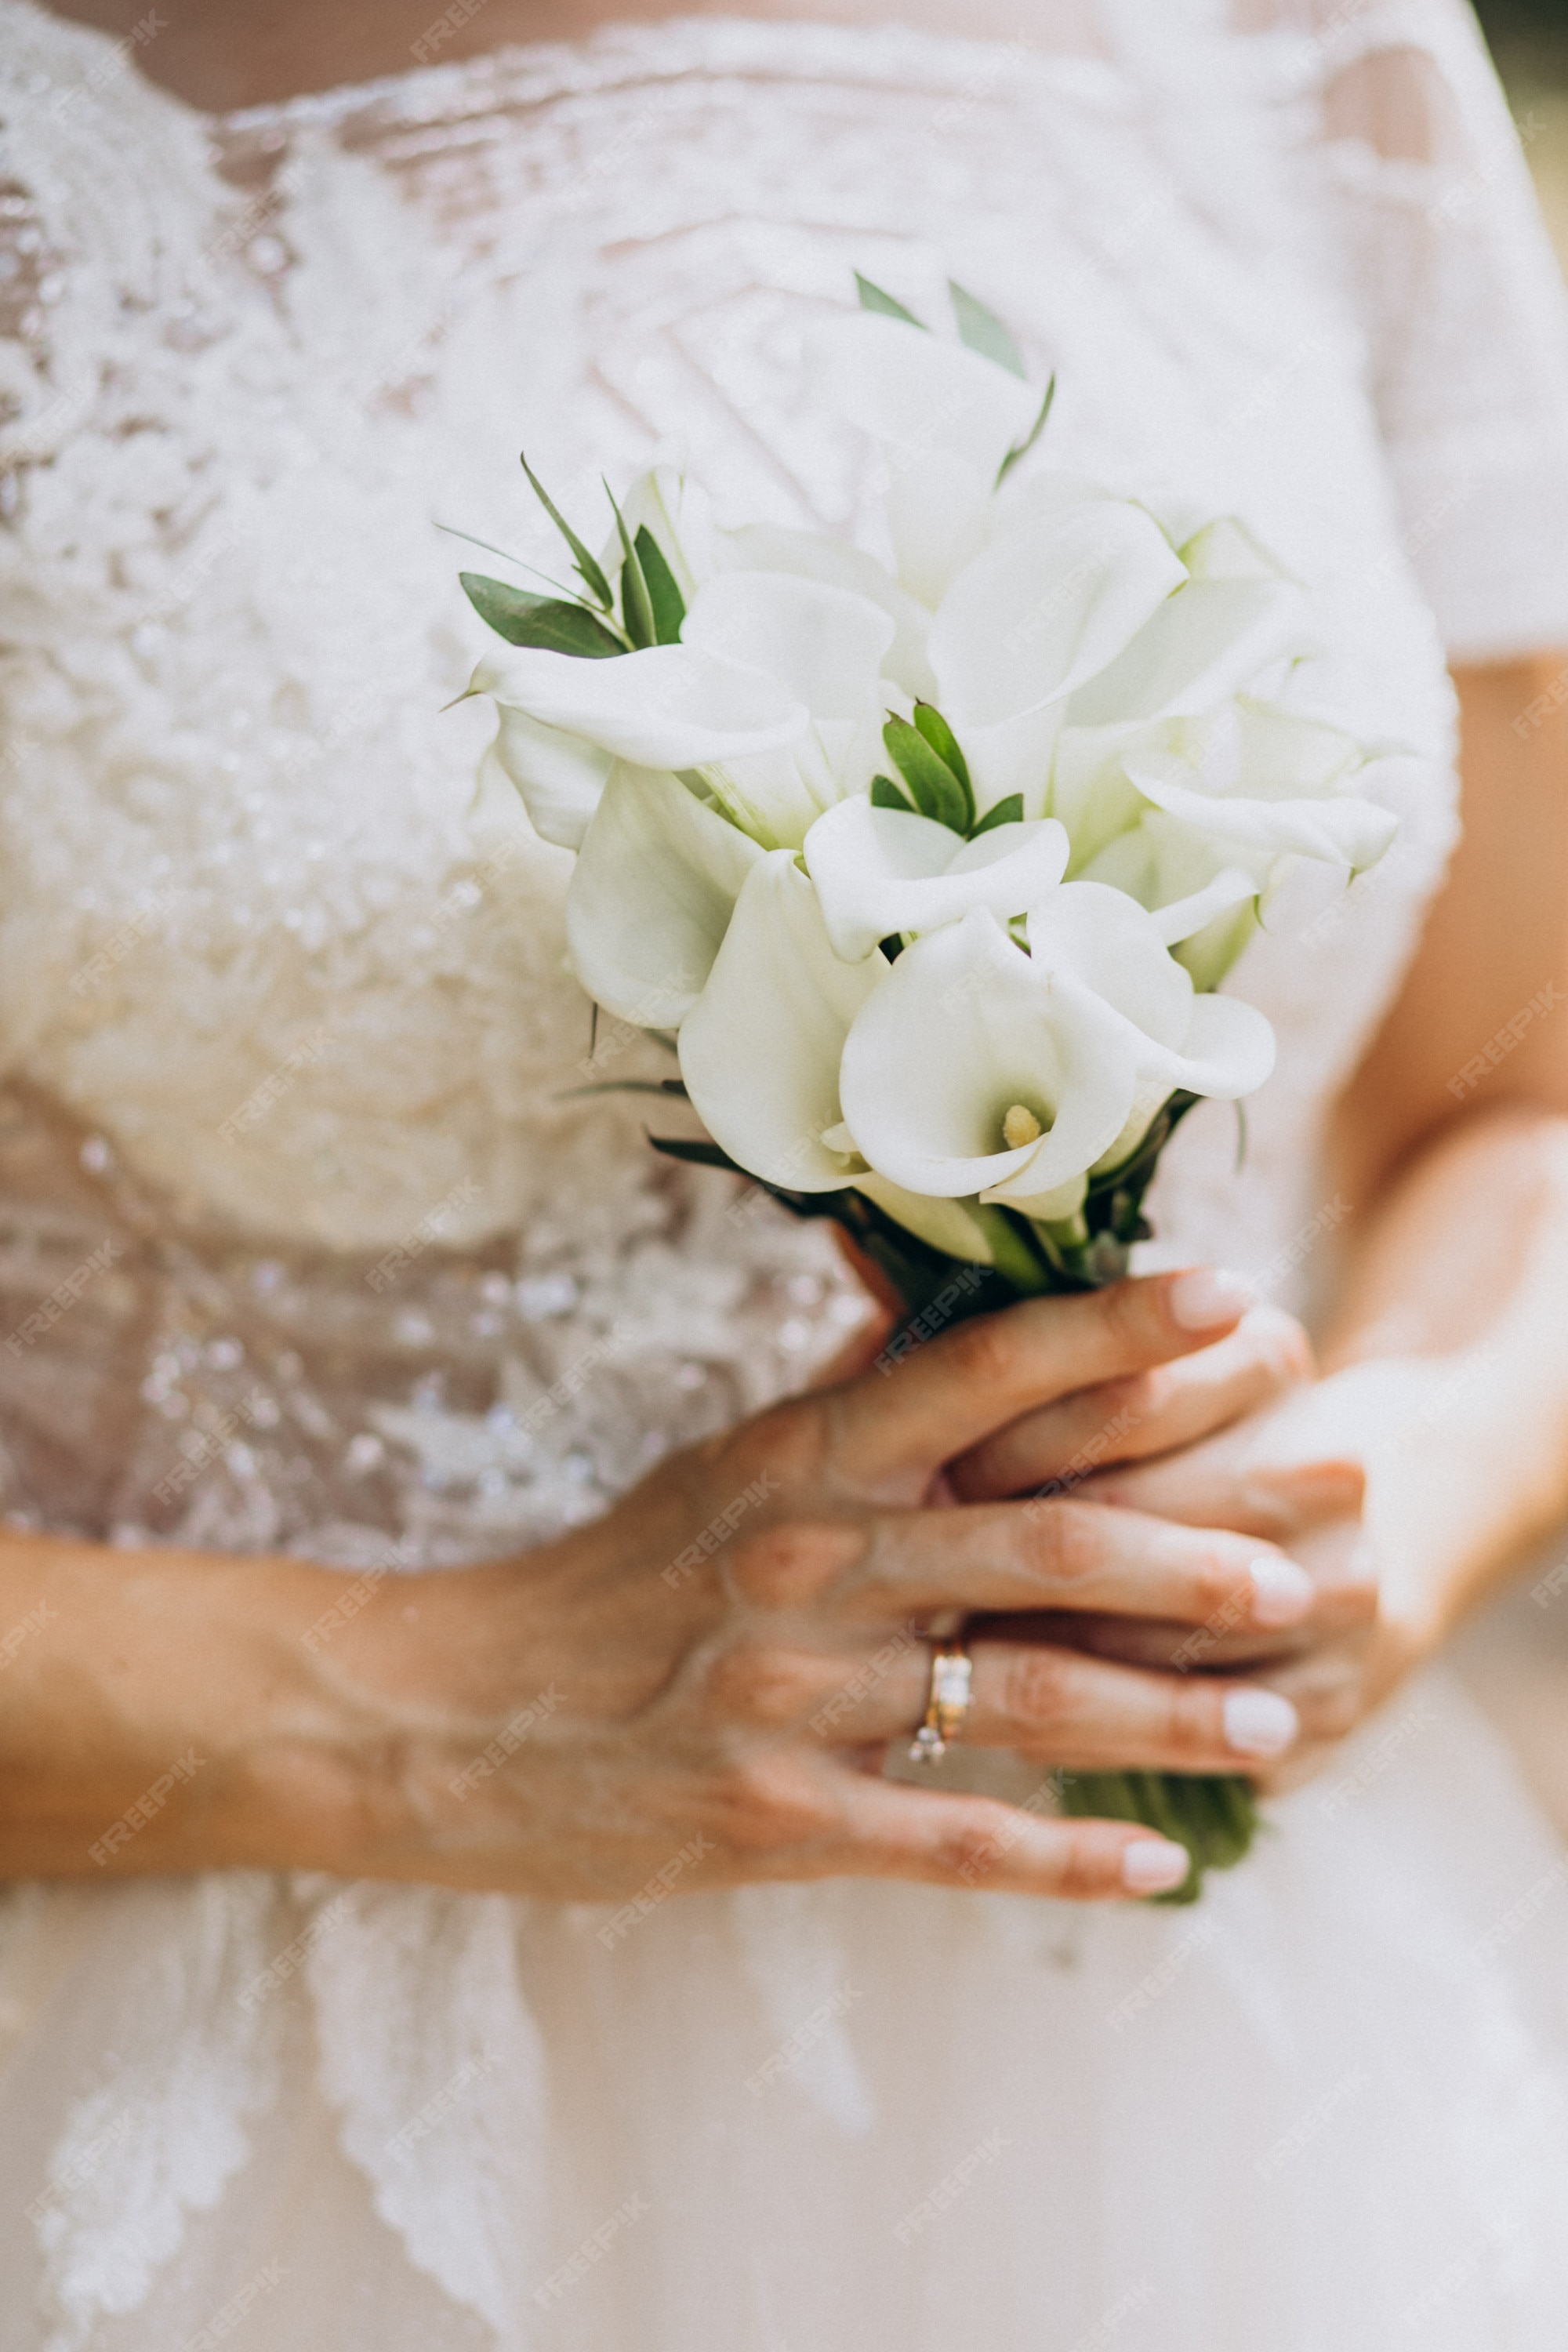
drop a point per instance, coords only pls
(436, 1924)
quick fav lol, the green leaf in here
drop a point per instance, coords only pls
(873, 298)
(663, 589)
(701, 1155)
(936, 791)
(637, 606)
(885, 794)
(1007, 811)
(982, 331)
(547, 623)
(1022, 448)
(591, 572)
(943, 740)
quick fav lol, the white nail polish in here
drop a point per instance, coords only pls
(1259, 1722)
(1154, 1866)
(1209, 1296)
(1281, 1591)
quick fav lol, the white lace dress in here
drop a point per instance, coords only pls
(317, 1259)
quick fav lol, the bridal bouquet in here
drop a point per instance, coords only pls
(931, 868)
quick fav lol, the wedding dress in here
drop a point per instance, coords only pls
(302, 1247)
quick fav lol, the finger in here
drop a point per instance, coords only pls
(1144, 1413)
(1216, 1484)
(1346, 1600)
(940, 1394)
(1063, 1708)
(890, 1831)
(1067, 1555)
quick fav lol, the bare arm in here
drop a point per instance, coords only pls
(707, 1672)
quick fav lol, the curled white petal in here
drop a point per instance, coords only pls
(823, 644)
(558, 776)
(1209, 1045)
(651, 896)
(1267, 780)
(769, 547)
(1030, 620)
(760, 1052)
(1211, 639)
(879, 871)
(666, 707)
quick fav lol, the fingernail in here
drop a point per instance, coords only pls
(1207, 1298)
(1282, 1592)
(1154, 1866)
(1259, 1722)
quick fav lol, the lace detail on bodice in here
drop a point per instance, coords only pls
(304, 1241)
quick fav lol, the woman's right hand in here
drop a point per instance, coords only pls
(697, 1689)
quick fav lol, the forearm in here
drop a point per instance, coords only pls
(170, 1710)
(1461, 1265)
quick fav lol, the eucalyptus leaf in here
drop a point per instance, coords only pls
(1007, 811)
(664, 594)
(982, 331)
(591, 571)
(637, 606)
(936, 791)
(885, 794)
(549, 624)
(872, 298)
(1022, 448)
(943, 740)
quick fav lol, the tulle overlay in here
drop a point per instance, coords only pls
(307, 1242)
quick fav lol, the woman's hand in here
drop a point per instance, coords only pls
(1237, 1435)
(701, 1684)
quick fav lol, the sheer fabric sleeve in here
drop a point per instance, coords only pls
(1445, 263)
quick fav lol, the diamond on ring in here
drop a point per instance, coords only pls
(947, 1704)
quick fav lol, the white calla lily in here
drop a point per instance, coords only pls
(558, 776)
(1205, 645)
(822, 646)
(945, 418)
(651, 896)
(1263, 779)
(1031, 620)
(769, 547)
(1204, 904)
(1207, 1044)
(966, 1035)
(879, 871)
(760, 1052)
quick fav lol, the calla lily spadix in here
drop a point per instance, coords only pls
(878, 872)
